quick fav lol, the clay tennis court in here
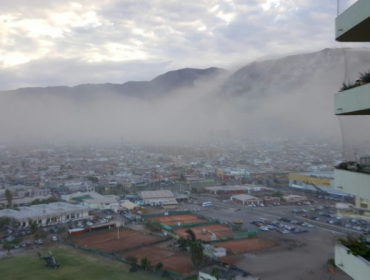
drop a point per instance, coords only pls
(175, 219)
(246, 245)
(108, 241)
(173, 261)
(219, 230)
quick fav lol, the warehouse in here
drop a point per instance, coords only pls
(47, 214)
(163, 197)
(245, 199)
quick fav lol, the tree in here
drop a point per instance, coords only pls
(182, 242)
(216, 273)
(331, 262)
(132, 260)
(3, 222)
(7, 246)
(33, 227)
(191, 235)
(153, 226)
(277, 194)
(158, 266)
(146, 264)
(196, 253)
(9, 197)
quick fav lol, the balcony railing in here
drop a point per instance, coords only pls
(353, 23)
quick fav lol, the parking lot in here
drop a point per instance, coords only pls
(303, 245)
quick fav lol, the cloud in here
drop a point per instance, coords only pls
(118, 34)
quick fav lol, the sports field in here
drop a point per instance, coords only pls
(173, 261)
(175, 219)
(246, 245)
(205, 232)
(112, 242)
(75, 264)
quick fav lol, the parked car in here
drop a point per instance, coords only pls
(264, 228)
(54, 238)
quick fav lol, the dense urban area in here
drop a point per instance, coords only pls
(198, 174)
(246, 204)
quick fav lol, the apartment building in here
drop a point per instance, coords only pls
(353, 25)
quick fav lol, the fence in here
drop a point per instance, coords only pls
(170, 213)
(245, 233)
(172, 274)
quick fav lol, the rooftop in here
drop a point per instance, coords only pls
(156, 194)
(244, 197)
(42, 210)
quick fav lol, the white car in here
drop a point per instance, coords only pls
(89, 224)
(54, 238)
(108, 217)
(263, 228)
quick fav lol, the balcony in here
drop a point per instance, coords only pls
(352, 182)
(355, 101)
(353, 24)
(355, 266)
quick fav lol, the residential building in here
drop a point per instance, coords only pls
(353, 25)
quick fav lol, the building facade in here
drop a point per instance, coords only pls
(353, 25)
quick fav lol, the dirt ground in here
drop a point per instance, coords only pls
(175, 219)
(172, 260)
(299, 257)
(219, 230)
(246, 245)
(110, 242)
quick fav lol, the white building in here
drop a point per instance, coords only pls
(353, 25)
(47, 214)
(162, 197)
(94, 200)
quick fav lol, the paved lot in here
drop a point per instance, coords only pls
(298, 256)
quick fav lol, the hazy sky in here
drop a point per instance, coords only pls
(61, 42)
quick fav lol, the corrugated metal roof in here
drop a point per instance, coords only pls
(156, 194)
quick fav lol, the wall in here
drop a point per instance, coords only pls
(356, 267)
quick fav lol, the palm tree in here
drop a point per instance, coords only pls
(146, 264)
(365, 77)
(9, 197)
(347, 86)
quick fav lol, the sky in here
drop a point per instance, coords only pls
(61, 42)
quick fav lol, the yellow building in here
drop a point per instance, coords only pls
(308, 181)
